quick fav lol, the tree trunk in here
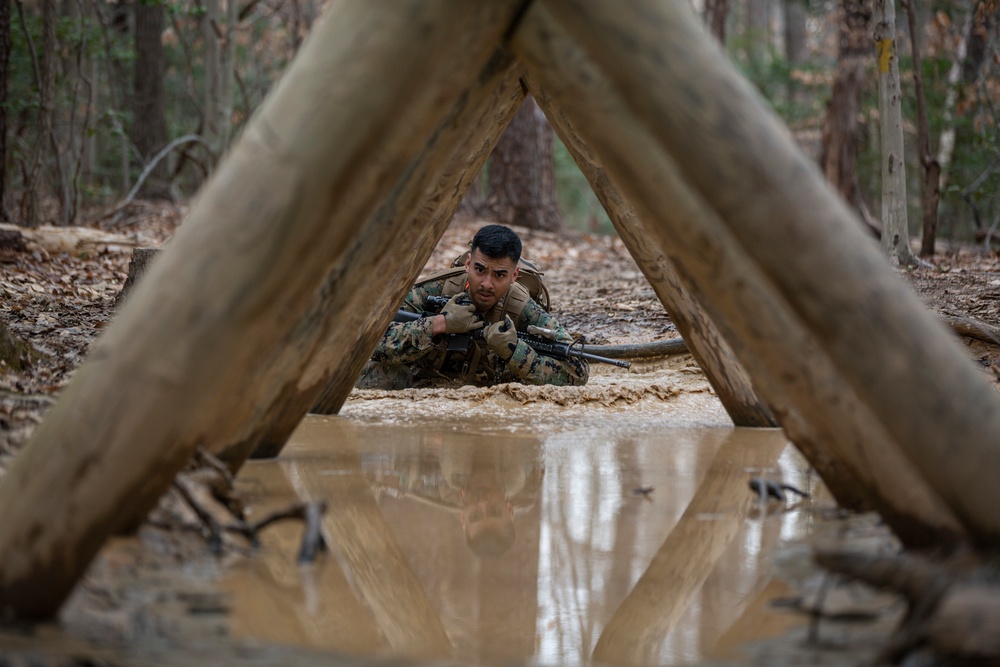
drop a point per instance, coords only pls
(716, 13)
(34, 186)
(839, 153)
(4, 74)
(758, 33)
(767, 250)
(796, 32)
(715, 357)
(522, 188)
(960, 61)
(199, 345)
(895, 226)
(217, 123)
(984, 23)
(928, 160)
(228, 74)
(149, 125)
(796, 46)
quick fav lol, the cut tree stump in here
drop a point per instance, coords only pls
(137, 266)
(15, 354)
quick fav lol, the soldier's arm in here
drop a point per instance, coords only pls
(405, 342)
(530, 367)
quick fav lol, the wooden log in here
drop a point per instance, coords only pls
(905, 367)
(714, 356)
(71, 240)
(636, 630)
(822, 414)
(421, 206)
(199, 346)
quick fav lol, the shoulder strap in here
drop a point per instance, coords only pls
(513, 304)
(454, 280)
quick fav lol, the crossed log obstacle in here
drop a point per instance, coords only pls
(239, 329)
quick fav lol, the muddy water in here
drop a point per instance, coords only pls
(484, 526)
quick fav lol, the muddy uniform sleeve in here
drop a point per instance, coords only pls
(530, 367)
(406, 342)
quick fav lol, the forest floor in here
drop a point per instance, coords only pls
(58, 294)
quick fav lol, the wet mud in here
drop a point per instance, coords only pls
(612, 523)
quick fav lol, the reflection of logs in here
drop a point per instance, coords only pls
(275, 598)
(378, 568)
(677, 571)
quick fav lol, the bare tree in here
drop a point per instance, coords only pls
(757, 31)
(839, 153)
(149, 127)
(521, 179)
(715, 15)
(796, 48)
(218, 33)
(4, 70)
(45, 76)
(895, 232)
(928, 159)
(795, 31)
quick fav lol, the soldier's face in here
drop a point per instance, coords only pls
(489, 279)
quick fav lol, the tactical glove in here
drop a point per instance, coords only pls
(460, 318)
(502, 338)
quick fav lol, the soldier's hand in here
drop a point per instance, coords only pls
(501, 337)
(460, 318)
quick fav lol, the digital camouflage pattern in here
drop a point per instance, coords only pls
(409, 356)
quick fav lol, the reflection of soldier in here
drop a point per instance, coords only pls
(484, 484)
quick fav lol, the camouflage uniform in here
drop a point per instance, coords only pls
(409, 356)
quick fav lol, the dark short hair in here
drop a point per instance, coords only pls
(497, 242)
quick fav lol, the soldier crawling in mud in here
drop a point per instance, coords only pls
(487, 297)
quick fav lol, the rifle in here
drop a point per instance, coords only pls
(540, 340)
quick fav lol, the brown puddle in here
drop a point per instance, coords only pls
(489, 534)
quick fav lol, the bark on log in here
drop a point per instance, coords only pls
(693, 218)
(727, 377)
(421, 206)
(199, 346)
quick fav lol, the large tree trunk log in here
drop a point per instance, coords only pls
(421, 206)
(704, 228)
(895, 224)
(712, 353)
(521, 178)
(199, 346)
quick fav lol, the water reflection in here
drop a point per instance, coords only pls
(451, 540)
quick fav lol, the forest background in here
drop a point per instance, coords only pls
(108, 103)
